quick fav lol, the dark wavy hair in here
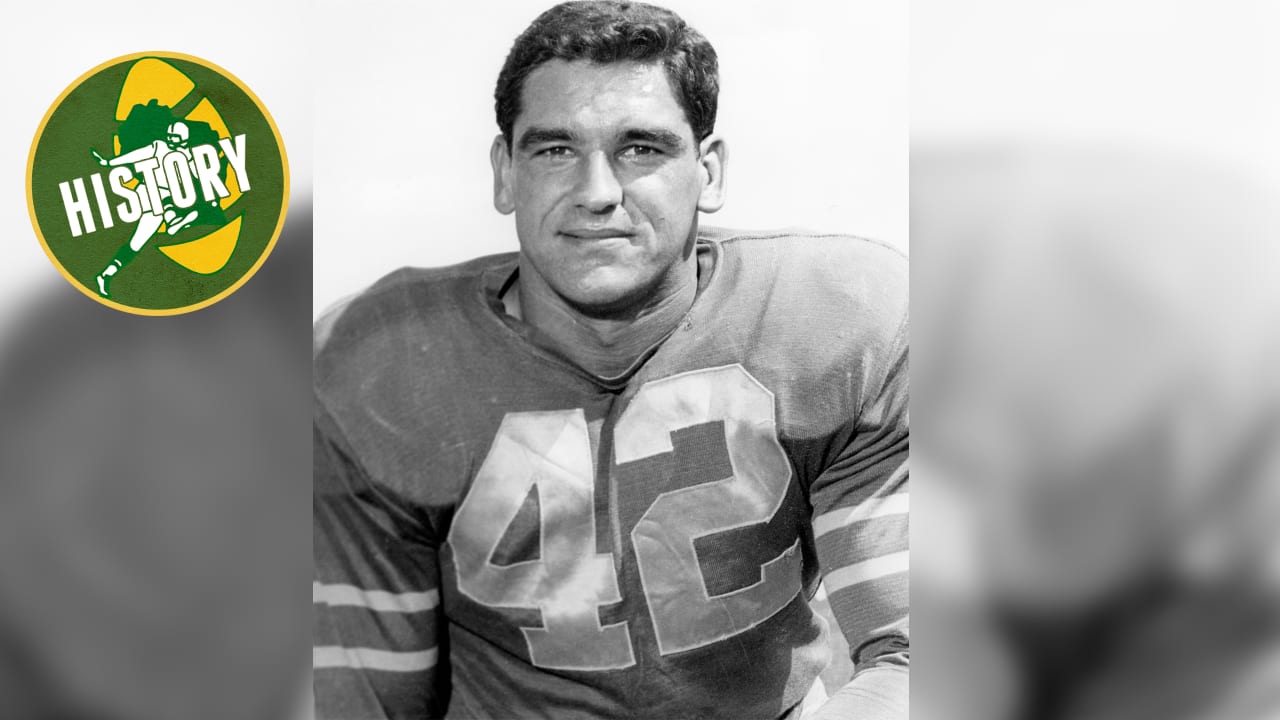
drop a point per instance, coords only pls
(607, 31)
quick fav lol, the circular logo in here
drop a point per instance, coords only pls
(157, 183)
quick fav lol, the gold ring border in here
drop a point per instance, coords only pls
(284, 199)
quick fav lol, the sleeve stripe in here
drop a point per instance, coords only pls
(333, 656)
(875, 610)
(379, 600)
(868, 510)
(865, 540)
(868, 570)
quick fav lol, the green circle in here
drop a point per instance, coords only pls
(151, 283)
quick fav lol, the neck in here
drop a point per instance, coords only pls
(603, 344)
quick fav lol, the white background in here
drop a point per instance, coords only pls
(1186, 77)
(813, 104)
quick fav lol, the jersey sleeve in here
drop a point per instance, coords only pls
(861, 528)
(378, 634)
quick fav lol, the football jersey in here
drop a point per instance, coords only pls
(500, 533)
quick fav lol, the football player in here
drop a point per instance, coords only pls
(176, 138)
(605, 475)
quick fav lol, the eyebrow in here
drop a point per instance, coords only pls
(657, 136)
(537, 136)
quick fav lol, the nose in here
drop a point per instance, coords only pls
(598, 188)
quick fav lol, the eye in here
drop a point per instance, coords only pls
(641, 151)
(554, 151)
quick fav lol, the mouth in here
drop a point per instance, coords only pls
(597, 234)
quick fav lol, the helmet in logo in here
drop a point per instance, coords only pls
(178, 135)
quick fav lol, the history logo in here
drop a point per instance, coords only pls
(157, 183)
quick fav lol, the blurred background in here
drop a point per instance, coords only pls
(154, 471)
(1096, 532)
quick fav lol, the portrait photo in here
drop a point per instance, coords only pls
(610, 361)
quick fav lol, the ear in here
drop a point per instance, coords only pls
(714, 157)
(503, 192)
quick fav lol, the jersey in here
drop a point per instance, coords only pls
(499, 533)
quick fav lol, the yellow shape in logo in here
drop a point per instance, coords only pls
(206, 112)
(151, 78)
(208, 254)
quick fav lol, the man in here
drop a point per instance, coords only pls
(603, 477)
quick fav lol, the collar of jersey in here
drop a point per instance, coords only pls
(497, 280)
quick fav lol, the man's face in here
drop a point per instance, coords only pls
(605, 179)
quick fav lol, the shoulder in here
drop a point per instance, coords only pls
(839, 283)
(800, 243)
(411, 308)
(406, 296)
(820, 319)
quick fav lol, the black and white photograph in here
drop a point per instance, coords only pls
(589, 442)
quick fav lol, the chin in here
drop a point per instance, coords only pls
(606, 297)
